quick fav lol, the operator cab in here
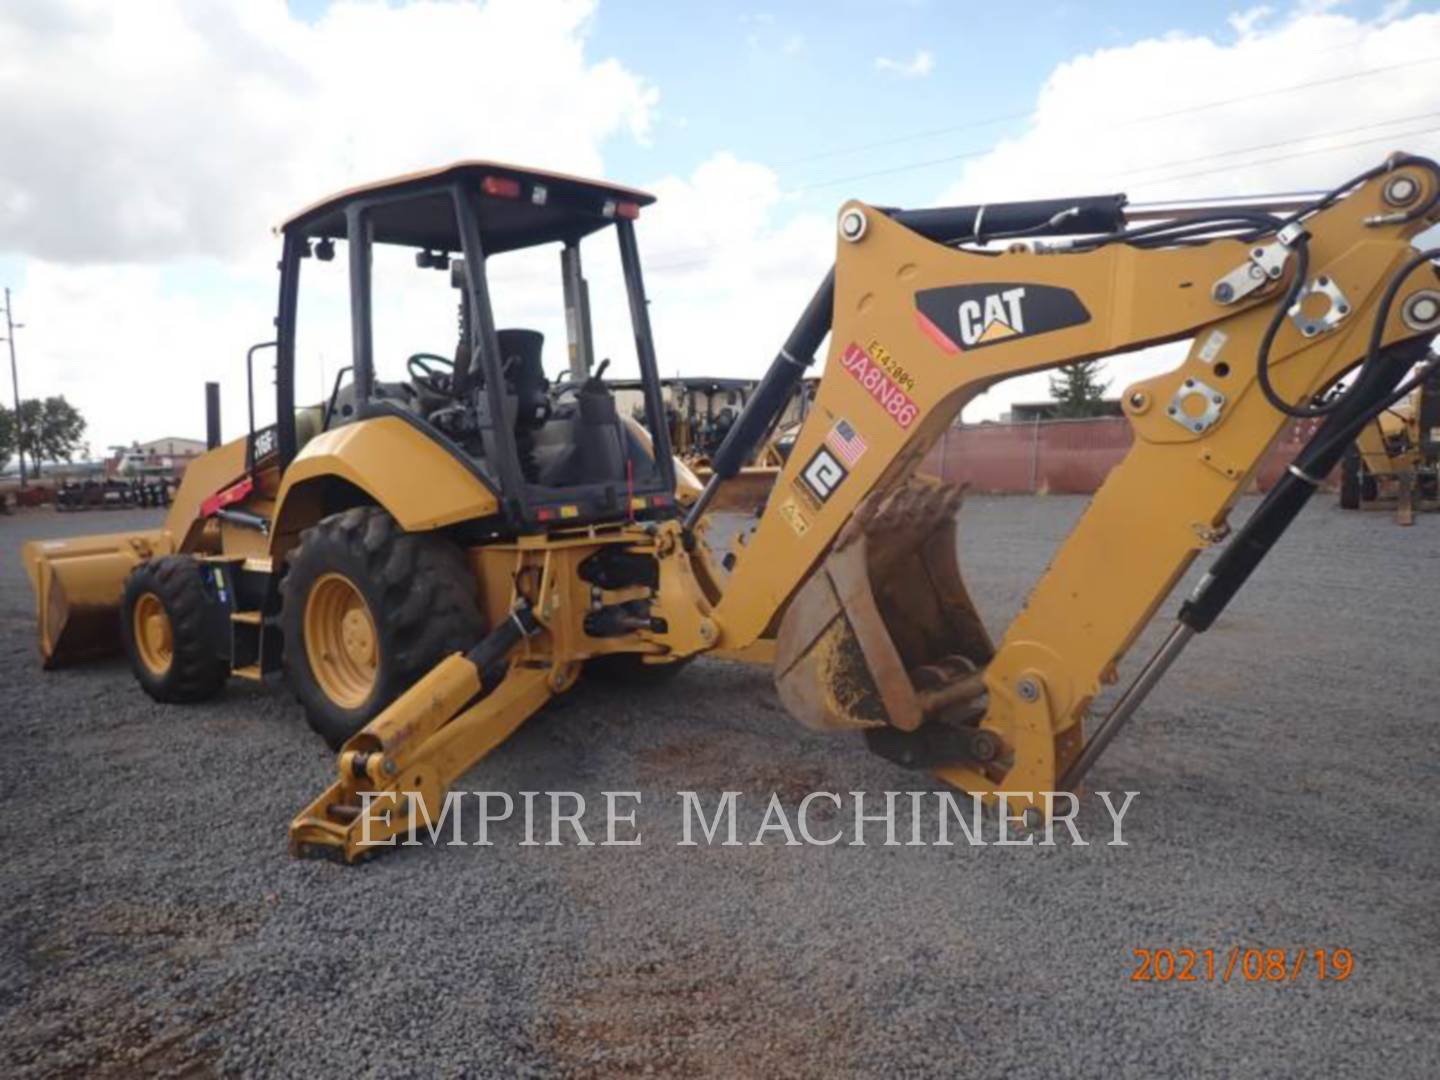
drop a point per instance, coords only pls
(532, 416)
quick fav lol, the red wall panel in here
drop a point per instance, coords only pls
(1061, 456)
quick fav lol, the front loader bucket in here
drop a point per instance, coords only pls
(884, 633)
(77, 586)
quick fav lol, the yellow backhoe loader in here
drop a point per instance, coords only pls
(429, 560)
(1396, 459)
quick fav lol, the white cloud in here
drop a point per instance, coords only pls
(1135, 119)
(160, 128)
(917, 67)
(151, 145)
(1244, 23)
(1213, 118)
(132, 346)
(727, 270)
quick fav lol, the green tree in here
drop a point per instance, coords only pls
(7, 436)
(1078, 390)
(54, 430)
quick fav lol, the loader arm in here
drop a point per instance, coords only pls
(919, 329)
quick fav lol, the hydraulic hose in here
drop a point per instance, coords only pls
(1372, 350)
(1371, 394)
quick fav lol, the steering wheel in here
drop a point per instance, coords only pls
(422, 368)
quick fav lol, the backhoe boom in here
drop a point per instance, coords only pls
(920, 329)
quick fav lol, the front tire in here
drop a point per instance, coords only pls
(368, 608)
(166, 631)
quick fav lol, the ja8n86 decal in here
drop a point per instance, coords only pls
(823, 474)
(871, 374)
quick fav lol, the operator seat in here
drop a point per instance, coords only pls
(520, 358)
(528, 389)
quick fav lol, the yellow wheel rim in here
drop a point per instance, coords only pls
(340, 641)
(154, 639)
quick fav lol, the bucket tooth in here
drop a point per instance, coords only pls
(884, 633)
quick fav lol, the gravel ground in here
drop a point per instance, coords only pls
(155, 922)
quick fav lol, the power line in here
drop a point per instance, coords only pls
(1185, 110)
(1298, 154)
(898, 139)
(689, 254)
(694, 262)
(1291, 142)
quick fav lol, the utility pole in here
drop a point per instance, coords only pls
(11, 326)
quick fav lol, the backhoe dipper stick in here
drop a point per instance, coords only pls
(1255, 539)
(1134, 696)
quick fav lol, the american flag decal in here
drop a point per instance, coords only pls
(849, 447)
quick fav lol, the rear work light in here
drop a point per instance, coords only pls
(501, 186)
(614, 209)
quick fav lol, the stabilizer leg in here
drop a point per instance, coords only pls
(394, 774)
(1405, 498)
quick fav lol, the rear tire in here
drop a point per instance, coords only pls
(367, 609)
(1350, 479)
(164, 617)
(1369, 486)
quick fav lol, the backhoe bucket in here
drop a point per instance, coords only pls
(77, 586)
(884, 633)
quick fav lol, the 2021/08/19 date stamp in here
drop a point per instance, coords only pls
(1241, 964)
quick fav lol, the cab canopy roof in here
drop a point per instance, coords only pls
(518, 207)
